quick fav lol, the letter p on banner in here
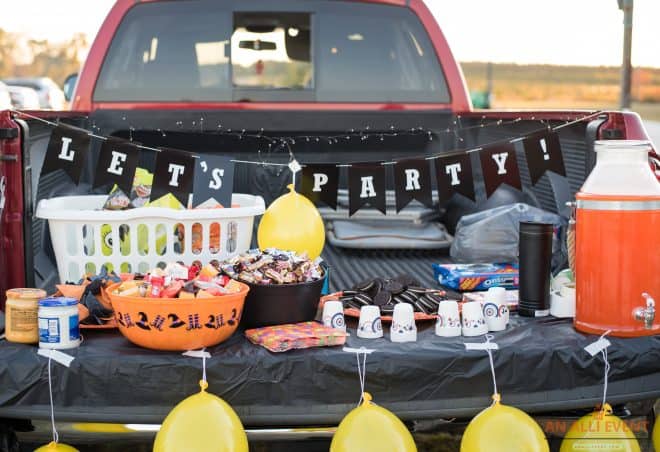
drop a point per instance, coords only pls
(320, 183)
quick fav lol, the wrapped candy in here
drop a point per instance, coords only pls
(273, 266)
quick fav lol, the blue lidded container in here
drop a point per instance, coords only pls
(58, 323)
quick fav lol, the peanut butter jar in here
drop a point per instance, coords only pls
(21, 309)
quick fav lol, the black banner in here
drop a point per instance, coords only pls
(214, 180)
(454, 175)
(117, 163)
(320, 183)
(412, 180)
(174, 174)
(500, 166)
(366, 186)
(67, 150)
(543, 152)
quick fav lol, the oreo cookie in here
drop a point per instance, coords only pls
(409, 297)
(364, 285)
(363, 299)
(419, 306)
(382, 298)
(417, 289)
(376, 288)
(428, 304)
(387, 309)
(434, 298)
(393, 286)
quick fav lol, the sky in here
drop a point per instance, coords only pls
(523, 31)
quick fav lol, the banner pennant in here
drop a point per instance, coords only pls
(67, 150)
(500, 166)
(543, 153)
(320, 183)
(366, 186)
(174, 174)
(412, 180)
(454, 175)
(214, 181)
(117, 163)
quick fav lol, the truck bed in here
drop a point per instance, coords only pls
(541, 366)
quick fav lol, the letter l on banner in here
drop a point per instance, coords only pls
(67, 150)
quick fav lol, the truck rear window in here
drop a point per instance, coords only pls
(328, 51)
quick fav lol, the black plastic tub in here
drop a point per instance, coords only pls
(278, 304)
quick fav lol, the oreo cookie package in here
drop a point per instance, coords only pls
(472, 277)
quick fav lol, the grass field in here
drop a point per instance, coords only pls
(545, 86)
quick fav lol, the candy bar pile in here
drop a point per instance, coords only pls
(385, 293)
(273, 266)
(178, 281)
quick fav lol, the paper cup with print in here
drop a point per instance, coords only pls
(333, 315)
(403, 328)
(474, 323)
(370, 326)
(495, 309)
(448, 323)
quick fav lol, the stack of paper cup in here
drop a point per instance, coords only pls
(448, 323)
(474, 323)
(495, 309)
(370, 326)
(333, 315)
(403, 324)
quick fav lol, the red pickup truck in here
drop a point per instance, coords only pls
(173, 73)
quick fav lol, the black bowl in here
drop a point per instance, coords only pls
(278, 304)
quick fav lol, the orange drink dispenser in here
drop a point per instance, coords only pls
(617, 257)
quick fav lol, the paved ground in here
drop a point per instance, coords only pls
(653, 129)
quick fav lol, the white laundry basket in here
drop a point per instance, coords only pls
(85, 237)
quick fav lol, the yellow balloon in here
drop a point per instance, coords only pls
(656, 434)
(371, 428)
(599, 431)
(293, 223)
(201, 423)
(502, 428)
(56, 447)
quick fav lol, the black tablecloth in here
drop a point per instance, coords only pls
(541, 366)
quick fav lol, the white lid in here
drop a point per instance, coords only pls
(622, 168)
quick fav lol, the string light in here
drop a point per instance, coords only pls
(364, 135)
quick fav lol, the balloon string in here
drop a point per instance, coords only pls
(204, 365)
(607, 371)
(362, 373)
(52, 409)
(492, 369)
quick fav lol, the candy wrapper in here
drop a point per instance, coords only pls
(281, 338)
(273, 266)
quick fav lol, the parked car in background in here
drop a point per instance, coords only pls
(24, 98)
(5, 99)
(51, 97)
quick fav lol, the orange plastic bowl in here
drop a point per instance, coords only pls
(177, 323)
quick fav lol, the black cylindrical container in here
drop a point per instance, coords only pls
(535, 258)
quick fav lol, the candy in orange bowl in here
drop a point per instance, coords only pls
(177, 323)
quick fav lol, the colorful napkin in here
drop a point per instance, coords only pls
(280, 338)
